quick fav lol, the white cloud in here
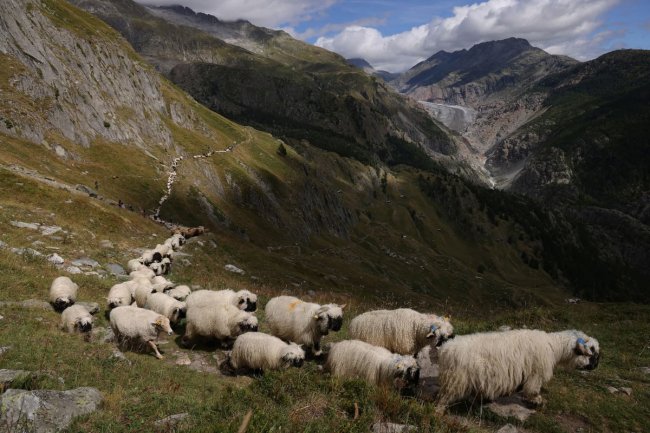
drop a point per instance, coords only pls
(267, 13)
(561, 26)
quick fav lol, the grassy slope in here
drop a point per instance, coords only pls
(309, 401)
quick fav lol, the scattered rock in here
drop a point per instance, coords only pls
(183, 359)
(50, 230)
(625, 390)
(572, 300)
(234, 269)
(34, 304)
(2, 244)
(92, 307)
(106, 243)
(73, 270)
(22, 225)
(645, 370)
(389, 427)
(115, 269)
(55, 259)
(511, 407)
(102, 335)
(508, 428)
(7, 377)
(26, 251)
(85, 189)
(4, 349)
(612, 390)
(45, 411)
(504, 328)
(85, 261)
(171, 422)
(119, 356)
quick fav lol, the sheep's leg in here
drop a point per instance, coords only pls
(155, 349)
(531, 390)
(187, 337)
(317, 349)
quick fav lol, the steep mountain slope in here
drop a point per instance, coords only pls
(368, 69)
(491, 78)
(284, 86)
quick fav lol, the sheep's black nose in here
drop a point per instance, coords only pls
(298, 362)
(85, 327)
(335, 324)
(252, 306)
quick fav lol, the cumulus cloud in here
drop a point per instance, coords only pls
(568, 27)
(268, 13)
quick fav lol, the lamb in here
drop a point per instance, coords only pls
(63, 293)
(358, 359)
(119, 295)
(167, 306)
(259, 351)
(176, 241)
(76, 318)
(223, 322)
(162, 267)
(180, 293)
(402, 331)
(243, 299)
(303, 322)
(133, 323)
(494, 364)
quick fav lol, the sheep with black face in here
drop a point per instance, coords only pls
(357, 359)
(259, 351)
(495, 364)
(63, 293)
(304, 323)
(222, 322)
(76, 318)
(243, 299)
(133, 324)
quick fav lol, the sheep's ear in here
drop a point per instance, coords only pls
(581, 347)
(343, 306)
(316, 317)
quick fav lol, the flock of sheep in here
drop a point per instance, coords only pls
(382, 343)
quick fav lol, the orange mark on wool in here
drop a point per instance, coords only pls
(293, 305)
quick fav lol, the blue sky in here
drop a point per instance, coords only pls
(394, 35)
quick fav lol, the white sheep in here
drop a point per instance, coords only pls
(133, 323)
(119, 295)
(76, 318)
(222, 322)
(142, 273)
(243, 299)
(259, 351)
(167, 306)
(176, 241)
(493, 364)
(402, 331)
(142, 290)
(161, 284)
(162, 267)
(63, 293)
(358, 359)
(302, 322)
(180, 293)
(134, 265)
(149, 257)
(164, 249)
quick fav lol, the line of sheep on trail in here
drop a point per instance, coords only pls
(382, 348)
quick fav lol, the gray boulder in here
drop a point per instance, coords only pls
(7, 377)
(46, 411)
(115, 269)
(389, 427)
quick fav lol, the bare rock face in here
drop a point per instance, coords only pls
(46, 411)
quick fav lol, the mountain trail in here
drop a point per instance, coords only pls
(176, 161)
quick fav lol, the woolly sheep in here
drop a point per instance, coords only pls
(167, 306)
(188, 232)
(222, 322)
(119, 295)
(358, 359)
(162, 267)
(150, 256)
(143, 289)
(259, 351)
(180, 293)
(176, 241)
(302, 322)
(142, 273)
(63, 293)
(161, 284)
(402, 331)
(76, 318)
(134, 265)
(243, 299)
(164, 249)
(133, 323)
(494, 364)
